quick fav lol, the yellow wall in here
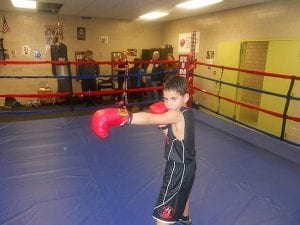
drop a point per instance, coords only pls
(283, 57)
(229, 55)
(275, 21)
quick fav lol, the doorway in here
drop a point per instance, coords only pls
(253, 57)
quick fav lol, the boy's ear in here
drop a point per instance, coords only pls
(186, 97)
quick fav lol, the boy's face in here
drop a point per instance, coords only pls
(173, 100)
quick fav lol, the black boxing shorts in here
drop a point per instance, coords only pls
(177, 184)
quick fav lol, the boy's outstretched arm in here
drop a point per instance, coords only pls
(104, 119)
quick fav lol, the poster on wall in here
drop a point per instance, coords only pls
(26, 50)
(210, 57)
(103, 39)
(132, 52)
(50, 33)
(185, 42)
(210, 54)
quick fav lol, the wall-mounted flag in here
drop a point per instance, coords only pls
(5, 27)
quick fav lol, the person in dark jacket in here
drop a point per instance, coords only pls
(89, 70)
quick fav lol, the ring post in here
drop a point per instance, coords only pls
(286, 107)
(186, 69)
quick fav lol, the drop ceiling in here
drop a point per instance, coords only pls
(131, 9)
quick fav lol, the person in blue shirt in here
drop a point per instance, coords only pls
(135, 81)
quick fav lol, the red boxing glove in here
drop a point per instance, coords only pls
(103, 119)
(158, 108)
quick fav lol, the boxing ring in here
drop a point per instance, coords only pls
(56, 171)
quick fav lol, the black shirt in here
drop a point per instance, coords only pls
(182, 151)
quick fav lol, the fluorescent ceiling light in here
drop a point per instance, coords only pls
(193, 4)
(28, 4)
(153, 15)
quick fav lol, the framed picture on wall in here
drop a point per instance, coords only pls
(81, 33)
(103, 39)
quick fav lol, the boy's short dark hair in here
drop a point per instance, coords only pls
(177, 83)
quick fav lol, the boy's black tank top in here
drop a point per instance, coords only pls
(182, 151)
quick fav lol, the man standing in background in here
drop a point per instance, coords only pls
(91, 70)
(155, 75)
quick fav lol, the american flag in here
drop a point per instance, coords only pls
(5, 27)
